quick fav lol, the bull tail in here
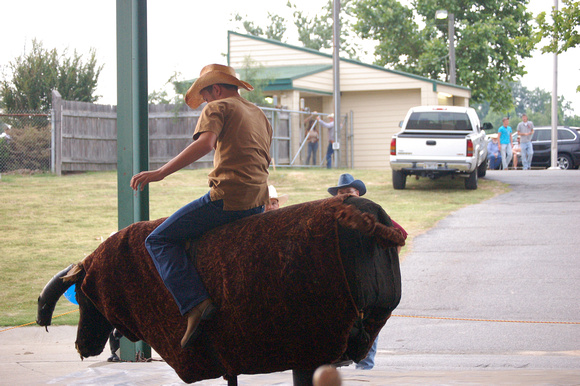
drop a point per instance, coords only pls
(53, 290)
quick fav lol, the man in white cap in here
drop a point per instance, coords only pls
(276, 201)
(241, 135)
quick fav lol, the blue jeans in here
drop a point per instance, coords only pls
(166, 245)
(329, 153)
(494, 162)
(527, 154)
(506, 155)
(312, 148)
(369, 362)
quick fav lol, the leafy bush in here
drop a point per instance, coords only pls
(27, 148)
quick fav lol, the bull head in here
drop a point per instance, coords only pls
(93, 329)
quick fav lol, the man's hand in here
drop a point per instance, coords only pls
(139, 180)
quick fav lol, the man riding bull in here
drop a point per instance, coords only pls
(241, 135)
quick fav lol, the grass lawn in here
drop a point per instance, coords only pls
(49, 222)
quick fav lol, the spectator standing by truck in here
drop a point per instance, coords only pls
(525, 130)
(505, 142)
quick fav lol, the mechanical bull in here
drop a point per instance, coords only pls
(296, 288)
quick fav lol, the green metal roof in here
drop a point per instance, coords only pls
(282, 78)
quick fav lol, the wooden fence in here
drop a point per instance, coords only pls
(85, 135)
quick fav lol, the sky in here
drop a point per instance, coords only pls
(185, 35)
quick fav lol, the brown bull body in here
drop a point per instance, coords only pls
(290, 285)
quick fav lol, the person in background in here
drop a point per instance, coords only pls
(312, 140)
(114, 345)
(516, 151)
(493, 154)
(348, 185)
(505, 143)
(276, 201)
(330, 127)
(525, 131)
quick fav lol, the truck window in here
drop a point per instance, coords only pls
(439, 120)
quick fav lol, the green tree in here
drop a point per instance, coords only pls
(314, 32)
(562, 32)
(179, 87)
(36, 73)
(536, 103)
(254, 74)
(491, 39)
(251, 72)
(275, 30)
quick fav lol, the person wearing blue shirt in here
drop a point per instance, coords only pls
(505, 143)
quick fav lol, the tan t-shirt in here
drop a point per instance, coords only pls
(242, 153)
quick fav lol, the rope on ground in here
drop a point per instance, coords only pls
(28, 324)
(398, 316)
(482, 320)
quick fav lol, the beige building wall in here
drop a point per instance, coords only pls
(376, 118)
(269, 54)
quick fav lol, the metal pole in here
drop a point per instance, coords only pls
(52, 141)
(132, 127)
(554, 147)
(451, 31)
(303, 143)
(336, 72)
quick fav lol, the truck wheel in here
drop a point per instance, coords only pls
(399, 179)
(471, 181)
(482, 169)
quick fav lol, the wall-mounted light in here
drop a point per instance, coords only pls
(441, 14)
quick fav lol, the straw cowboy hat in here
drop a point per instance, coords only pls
(274, 194)
(210, 75)
(346, 181)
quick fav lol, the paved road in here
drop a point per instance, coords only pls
(515, 258)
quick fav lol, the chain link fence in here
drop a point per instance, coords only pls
(25, 142)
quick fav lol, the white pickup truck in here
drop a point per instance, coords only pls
(438, 141)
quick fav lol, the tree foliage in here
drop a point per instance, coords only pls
(315, 32)
(563, 33)
(36, 73)
(275, 30)
(536, 103)
(252, 73)
(491, 39)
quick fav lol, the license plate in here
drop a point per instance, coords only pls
(430, 165)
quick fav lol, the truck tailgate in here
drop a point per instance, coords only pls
(432, 146)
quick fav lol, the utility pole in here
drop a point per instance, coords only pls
(451, 30)
(336, 75)
(554, 147)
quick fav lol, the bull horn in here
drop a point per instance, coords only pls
(53, 290)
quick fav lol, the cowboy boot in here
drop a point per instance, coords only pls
(203, 311)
